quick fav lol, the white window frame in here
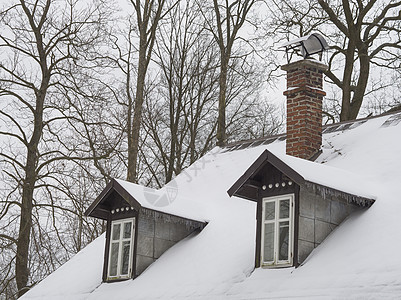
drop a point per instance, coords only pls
(120, 249)
(276, 262)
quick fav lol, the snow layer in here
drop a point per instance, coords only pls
(358, 260)
(76, 279)
(164, 200)
(332, 177)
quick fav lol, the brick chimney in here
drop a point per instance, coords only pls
(304, 107)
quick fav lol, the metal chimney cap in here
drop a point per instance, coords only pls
(308, 45)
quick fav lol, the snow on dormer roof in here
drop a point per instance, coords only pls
(325, 178)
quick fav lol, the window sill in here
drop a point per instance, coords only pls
(276, 266)
(117, 279)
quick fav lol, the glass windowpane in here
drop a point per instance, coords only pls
(125, 257)
(113, 259)
(284, 209)
(116, 232)
(268, 247)
(283, 240)
(127, 230)
(269, 210)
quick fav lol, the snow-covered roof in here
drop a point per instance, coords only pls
(358, 260)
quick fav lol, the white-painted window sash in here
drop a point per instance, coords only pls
(120, 242)
(276, 221)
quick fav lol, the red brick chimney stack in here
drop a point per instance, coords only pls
(304, 107)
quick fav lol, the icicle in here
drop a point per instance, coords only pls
(328, 193)
(155, 215)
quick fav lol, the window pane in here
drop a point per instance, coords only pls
(125, 258)
(116, 232)
(127, 230)
(284, 209)
(283, 240)
(269, 210)
(268, 247)
(113, 259)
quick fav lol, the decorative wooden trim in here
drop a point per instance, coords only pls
(94, 211)
(126, 196)
(259, 163)
(106, 191)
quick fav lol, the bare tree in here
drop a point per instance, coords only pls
(40, 41)
(180, 116)
(363, 34)
(186, 56)
(364, 24)
(224, 23)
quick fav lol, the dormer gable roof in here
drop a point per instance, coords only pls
(120, 193)
(325, 178)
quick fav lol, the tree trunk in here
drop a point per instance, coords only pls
(21, 267)
(364, 65)
(347, 80)
(221, 121)
(133, 140)
(173, 140)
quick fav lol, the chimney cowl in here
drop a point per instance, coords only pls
(306, 46)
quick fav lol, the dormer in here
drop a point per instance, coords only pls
(137, 232)
(299, 203)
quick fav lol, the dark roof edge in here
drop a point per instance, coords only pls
(248, 173)
(99, 198)
(126, 195)
(275, 136)
(323, 127)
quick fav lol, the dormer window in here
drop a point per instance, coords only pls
(137, 234)
(277, 231)
(296, 209)
(121, 249)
